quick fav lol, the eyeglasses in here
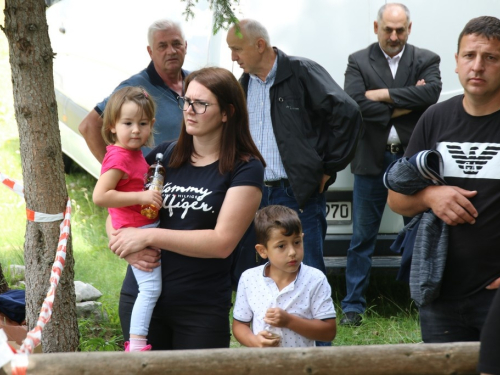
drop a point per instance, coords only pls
(199, 108)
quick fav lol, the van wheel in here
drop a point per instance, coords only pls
(68, 162)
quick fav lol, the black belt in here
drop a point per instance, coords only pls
(395, 148)
(277, 183)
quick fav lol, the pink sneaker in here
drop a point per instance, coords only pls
(145, 349)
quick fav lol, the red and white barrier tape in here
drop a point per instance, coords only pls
(43, 218)
(31, 215)
(13, 185)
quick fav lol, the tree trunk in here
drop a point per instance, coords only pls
(45, 191)
(3, 283)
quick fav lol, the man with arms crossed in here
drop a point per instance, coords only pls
(303, 123)
(393, 82)
(162, 79)
(466, 131)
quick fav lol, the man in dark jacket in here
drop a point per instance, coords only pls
(393, 82)
(303, 123)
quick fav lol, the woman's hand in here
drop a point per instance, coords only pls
(145, 260)
(126, 241)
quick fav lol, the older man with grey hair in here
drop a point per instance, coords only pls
(162, 79)
(394, 83)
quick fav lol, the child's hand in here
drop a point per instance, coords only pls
(266, 339)
(277, 317)
(151, 197)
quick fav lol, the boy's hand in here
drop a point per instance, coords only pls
(277, 317)
(313, 329)
(265, 340)
(151, 197)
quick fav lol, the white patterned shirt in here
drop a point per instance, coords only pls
(308, 297)
(261, 127)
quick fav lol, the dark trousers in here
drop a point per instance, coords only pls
(489, 358)
(181, 327)
(446, 320)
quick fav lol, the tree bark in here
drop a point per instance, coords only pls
(45, 191)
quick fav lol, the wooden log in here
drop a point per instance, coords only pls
(407, 359)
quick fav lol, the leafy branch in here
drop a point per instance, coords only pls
(223, 11)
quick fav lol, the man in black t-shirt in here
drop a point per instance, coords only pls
(466, 131)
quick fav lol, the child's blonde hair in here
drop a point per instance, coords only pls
(114, 105)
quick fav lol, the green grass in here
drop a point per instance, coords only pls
(391, 316)
(390, 319)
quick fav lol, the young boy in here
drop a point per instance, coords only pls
(285, 302)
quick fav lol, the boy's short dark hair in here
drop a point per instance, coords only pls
(486, 26)
(276, 217)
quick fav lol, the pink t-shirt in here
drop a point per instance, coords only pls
(135, 166)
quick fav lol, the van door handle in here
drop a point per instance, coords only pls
(62, 30)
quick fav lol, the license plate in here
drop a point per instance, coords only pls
(339, 213)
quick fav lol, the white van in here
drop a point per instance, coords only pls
(99, 43)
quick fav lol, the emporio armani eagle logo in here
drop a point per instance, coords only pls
(473, 163)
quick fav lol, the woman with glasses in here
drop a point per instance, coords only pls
(211, 193)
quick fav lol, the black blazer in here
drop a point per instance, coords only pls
(368, 69)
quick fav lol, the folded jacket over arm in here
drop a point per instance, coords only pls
(428, 258)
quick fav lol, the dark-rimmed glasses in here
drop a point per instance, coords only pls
(199, 108)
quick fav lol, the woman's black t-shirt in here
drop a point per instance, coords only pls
(192, 199)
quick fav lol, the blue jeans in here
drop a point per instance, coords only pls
(313, 219)
(369, 199)
(457, 319)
